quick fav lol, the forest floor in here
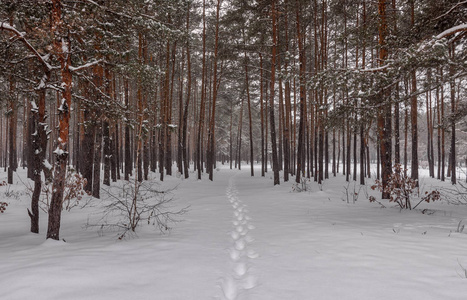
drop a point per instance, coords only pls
(241, 238)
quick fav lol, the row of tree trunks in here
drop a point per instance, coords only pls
(303, 141)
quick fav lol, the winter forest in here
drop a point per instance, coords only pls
(151, 122)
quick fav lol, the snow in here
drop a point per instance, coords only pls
(241, 239)
(34, 106)
(6, 26)
(452, 30)
(59, 151)
(85, 66)
(64, 46)
(47, 164)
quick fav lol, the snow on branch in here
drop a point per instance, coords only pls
(451, 31)
(108, 10)
(20, 35)
(378, 69)
(85, 66)
(423, 45)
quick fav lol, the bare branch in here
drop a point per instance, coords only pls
(450, 10)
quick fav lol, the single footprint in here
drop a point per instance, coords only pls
(240, 269)
(249, 239)
(235, 235)
(249, 282)
(234, 254)
(229, 288)
(240, 245)
(252, 254)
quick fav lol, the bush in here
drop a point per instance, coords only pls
(401, 188)
(303, 186)
(136, 203)
(72, 194)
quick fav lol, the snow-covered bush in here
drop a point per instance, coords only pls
(401, 188)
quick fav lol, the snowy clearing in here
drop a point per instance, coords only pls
(242, 239)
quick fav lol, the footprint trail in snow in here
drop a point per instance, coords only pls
(236, 285)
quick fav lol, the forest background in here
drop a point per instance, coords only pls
(310, 88)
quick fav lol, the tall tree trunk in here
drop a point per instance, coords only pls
(114, 154)
(263, 159)
(275, 161)
(140, 140)
(384, 115)
(163, 115)
(212, 133)
(128, 162)
(107, 84)
(13, 120)
(97, 161)
(61, 48)
(239, 137)
(438, 125)
(231, 135)
(443, 132)
(188, 98)
(362, 155)
(301, 130)
(453, 119)
(247, 82)
(430, 155)
(266, 129)
(203, 99)
(39, 147)
(414, 110)
(168, 126)
(107, 153)
(87, 156)
(29, 139)
(287, 125)
(180, 116)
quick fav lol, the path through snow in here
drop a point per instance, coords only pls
(240, 280)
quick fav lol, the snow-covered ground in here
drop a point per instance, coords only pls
(242, 239)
